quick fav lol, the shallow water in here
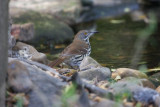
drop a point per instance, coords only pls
(114, 45)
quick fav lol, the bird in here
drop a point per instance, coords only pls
(73, 54)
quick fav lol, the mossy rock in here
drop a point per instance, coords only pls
(47, 29)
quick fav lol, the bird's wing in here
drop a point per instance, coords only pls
(77, 47)
(56, 62)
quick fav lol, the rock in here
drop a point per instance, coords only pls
(48, 29)
(125, 85)
(147, 83)
(146, 96)
(46, 89)
(134, 88)
(158, 89)
(126, 72)
(11, 39)
(143, 82)
(66, 11)
(155, 78)
(90, 69)
(107, 103)
(23, 32)
(100, 74)
(18, 77)
(88, 63)
(29, 52)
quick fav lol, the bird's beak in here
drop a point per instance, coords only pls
(94, 32)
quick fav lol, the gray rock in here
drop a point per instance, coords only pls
(134, 88)
(146, 96)
(29, 52)
(88, 63)
(46, 89)
(18, 77)
(127, 85)
(90, 69)
(100, 74)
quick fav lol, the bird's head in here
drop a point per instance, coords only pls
(84, 34)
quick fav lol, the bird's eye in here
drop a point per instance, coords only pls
(85, 33)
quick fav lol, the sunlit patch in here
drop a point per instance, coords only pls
(127, 10)
(117, 21)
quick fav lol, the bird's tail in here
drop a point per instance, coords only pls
(56, 62)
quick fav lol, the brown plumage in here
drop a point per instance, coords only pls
(73, 54)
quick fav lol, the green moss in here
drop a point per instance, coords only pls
(47, 28)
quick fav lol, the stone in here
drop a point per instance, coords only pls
(48, 29)
(46, 89)
(29, 52)
(146, 96)
(18, 78)
(100, 74)
(125, 85)
(88, 63)
(158, 89)
(91, 69)
(155, 78)
(148, 83)
(143, 82)
(134, 88)
(127, 72)
(23, 32)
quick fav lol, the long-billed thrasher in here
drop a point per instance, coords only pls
(73, 54)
